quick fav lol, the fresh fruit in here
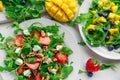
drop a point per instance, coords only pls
(45, 40)
(61, 10)
(110, 47)
(18, 40)
(38, 76)
(92, 65)
(37, 33)
(33, 66)
(32, 77)
(61, 58)
(1, 6)
(20, 70)
(90, 74)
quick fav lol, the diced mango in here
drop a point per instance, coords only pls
(102, 19)
(94, 11)
(117, 22)
(112, 4)
(90, 27)
(117, 17)
(1, 6)
(100, 3)
(115, 8)
(113, 31)
(104, 1)
(111, 16)
(61, 10)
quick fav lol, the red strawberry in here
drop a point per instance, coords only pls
(92, 65)
(45, 40)
(20, 70)
(33, 66)
(18, 40)
(36, 32)
(61, 58)
(32, 77)
(38, 76)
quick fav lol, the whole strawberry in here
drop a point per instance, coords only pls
(92, 65)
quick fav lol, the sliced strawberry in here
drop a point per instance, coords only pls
(20, 70)
(32, 77)
(38, 60)
(18, 40)
(38, 76)
(33, 66)
(36, 32)
(45, 40)
(61, 58)
(92, 65)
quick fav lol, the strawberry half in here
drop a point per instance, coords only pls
(92, 65)
(45, 40)
(38, 76)
(18, 40)
(61, 58)
(37, 33)
(20, 70)
(32, 77)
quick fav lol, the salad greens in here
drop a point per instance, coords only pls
(21, 10)
(102, 24)
(36, 53)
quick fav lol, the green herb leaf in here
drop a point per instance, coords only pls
(106, 66)
(66, 70)
(82, 43)
(66, 50)
(31, 59)
(81, 71)
(1, 68)
(26, 49)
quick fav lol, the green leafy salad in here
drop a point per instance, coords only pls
(102, 24)
(36, 53)
(21, 10)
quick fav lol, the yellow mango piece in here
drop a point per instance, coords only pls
(102, 19)
(61, 10)
(1, 6)
(111, 38)
(117, 17)
(104, 1)
(115, 8)
(112, 4)
(100, 3)
(117, 22)
(113, 31)
(90, 27)
(111, 16)
(94, 11)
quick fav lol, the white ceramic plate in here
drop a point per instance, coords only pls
(69, 41)
(102, 51)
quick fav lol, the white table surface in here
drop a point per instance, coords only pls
(86, 53)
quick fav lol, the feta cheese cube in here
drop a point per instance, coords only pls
(53, 71)
(36, 48)
(18, 50)
(27, 72)
(47, 61)
(19, 61)
(59, 47)
(26, 32)
(49, 34)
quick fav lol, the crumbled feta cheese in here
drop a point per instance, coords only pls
(59, 47)
(36, 48)
(26, 32)
(19, 61)
(18, 50)
(49, 34)
(27, 72)
(47, 61)
(53, 71)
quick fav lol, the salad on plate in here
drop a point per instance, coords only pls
(36, 53)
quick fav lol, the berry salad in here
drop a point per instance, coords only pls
(103, 24)
(37, 53)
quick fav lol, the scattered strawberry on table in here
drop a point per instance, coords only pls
(93, 65)
(37, 53)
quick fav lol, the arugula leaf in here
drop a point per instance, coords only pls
(80, 72)
(66, 70)
(82, 43)
(26, 49)
(31, 59)
(1, 68)
(106, 66)
(1, 37)
(66, 50)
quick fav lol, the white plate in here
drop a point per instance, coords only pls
(69, 41)
(102, 51)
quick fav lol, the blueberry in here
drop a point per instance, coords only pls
(90, 74)
(104, 14)
(112, 23)
(107, 38)
(116, 46)
(110, 47)
(100, 13)
(105, 29)
(109, 10)
(90, 31)
(23, 2)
